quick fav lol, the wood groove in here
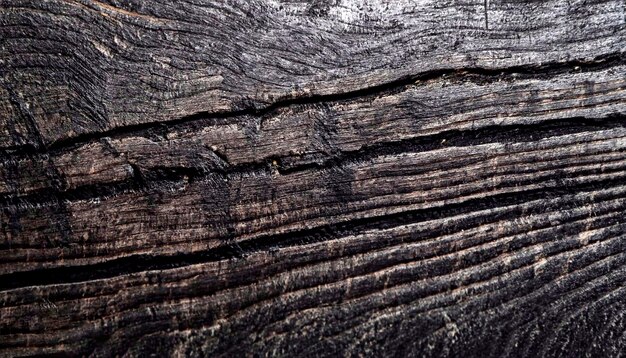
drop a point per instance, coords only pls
(549, 69)
(265, 243)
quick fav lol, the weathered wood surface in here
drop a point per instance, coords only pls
(429, 178)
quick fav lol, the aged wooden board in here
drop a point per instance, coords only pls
(306, 178)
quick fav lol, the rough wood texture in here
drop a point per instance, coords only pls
(291, 178)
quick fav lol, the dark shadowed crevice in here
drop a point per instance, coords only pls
(143, 179)
(145, 262)
(473, 74)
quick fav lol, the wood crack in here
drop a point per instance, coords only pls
(145, 180)
(483, 75)
(139, 263)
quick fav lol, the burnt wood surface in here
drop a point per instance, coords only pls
(313, 178)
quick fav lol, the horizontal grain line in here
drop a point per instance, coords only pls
(552, 174)
(298, 290)
(429, 236)
(583, 160)
(515, 133)
(546, 70)
(569, 223)
(138, 263)
(146, 179)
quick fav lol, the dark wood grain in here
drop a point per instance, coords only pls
(319, 178)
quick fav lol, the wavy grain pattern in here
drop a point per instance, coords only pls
(312, 178)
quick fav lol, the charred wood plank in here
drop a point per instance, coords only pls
(306, 178)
